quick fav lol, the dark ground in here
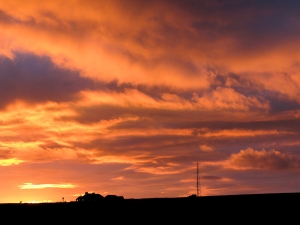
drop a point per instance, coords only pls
(240, 209)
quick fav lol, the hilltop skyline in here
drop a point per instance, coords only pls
(124, 97)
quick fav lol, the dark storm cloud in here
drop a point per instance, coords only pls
(255, 23)
(252, 24)
(36, 79)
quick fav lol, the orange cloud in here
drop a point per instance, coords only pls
(107, 56)
(254, 159)
(206, 148)
(118, 178)
(228, 98)
(220, 99)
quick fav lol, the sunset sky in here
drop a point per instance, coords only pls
(125, 96)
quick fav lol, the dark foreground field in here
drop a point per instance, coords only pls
(236, 208)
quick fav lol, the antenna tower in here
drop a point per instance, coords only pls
(198, 181)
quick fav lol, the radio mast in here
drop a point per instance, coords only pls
(198, 181)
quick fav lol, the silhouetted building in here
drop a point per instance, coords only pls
(90, 197)
(192, 196)
(114, 197)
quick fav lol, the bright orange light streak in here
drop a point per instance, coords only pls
(9, 162)
(42, 186)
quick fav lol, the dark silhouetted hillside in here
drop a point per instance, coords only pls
(158, 210)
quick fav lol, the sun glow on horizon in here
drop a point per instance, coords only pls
(37, 202)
